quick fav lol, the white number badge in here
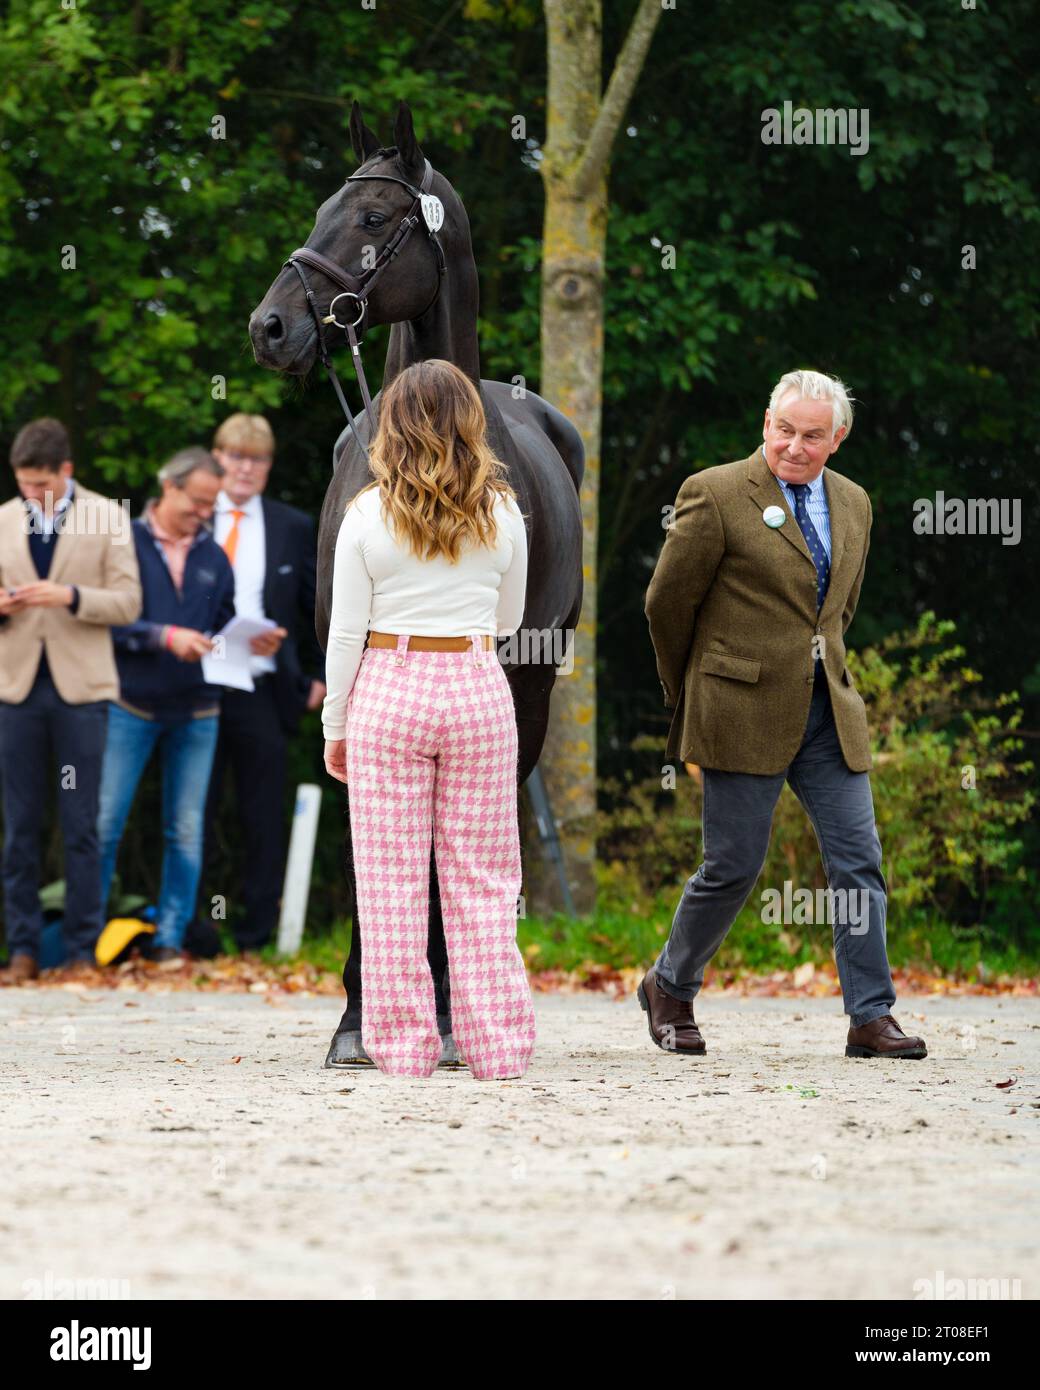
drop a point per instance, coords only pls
(432, 211)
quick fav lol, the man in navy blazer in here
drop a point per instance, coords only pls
(271, 548)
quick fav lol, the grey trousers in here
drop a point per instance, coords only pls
(738, 814)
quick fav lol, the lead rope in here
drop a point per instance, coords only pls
(359, 370)
(326, 362)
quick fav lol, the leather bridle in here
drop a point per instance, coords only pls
(424, 210)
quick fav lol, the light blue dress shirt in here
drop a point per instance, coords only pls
(815, 505)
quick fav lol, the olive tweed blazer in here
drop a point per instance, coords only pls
(733, 620)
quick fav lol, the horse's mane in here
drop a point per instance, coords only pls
(384, 151)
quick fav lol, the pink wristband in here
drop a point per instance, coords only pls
(168, 640)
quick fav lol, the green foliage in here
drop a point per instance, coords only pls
(179, 152)
(951, 791)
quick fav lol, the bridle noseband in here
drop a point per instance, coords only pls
(427, 209)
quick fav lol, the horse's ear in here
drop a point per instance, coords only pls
(409, 152)
(362, 141)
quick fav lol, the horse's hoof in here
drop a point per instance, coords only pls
(346, 1050)
(449, 1052)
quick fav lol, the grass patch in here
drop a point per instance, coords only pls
(617, 938)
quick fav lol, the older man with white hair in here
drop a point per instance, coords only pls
(755, 587)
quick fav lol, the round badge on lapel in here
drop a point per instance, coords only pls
(774, 516)
(432, 211)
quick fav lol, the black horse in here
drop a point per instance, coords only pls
(433, 314)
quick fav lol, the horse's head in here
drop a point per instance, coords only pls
(350, 233)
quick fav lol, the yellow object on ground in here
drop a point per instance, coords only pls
(117, 935)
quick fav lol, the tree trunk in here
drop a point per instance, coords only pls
(582, 124)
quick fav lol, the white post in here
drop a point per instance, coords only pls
(297, 886)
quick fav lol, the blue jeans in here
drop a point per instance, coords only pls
(186, 749)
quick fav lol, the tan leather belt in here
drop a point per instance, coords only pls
(429, 644)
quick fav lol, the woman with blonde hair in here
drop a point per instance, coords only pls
(431, 564)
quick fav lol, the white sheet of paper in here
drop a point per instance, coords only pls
(228, 663)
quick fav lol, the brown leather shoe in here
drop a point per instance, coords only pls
(883, 1037)
(20, 968)
(670, 1020)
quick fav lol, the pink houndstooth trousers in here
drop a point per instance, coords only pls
(431, 751)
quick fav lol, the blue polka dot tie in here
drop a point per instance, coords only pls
(812, 540)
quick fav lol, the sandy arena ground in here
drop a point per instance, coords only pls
(135, 1147)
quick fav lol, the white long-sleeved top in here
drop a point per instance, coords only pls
(379, 584)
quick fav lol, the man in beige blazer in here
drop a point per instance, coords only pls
(68, 572)
(756, 584)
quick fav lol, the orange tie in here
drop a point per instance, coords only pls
(231, 539)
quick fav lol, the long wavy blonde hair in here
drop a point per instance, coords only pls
(437, 475)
